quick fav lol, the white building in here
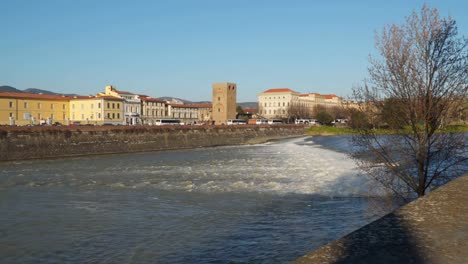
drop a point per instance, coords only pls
(275, 103)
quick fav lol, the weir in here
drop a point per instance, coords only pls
(432, 229)
(19, 143)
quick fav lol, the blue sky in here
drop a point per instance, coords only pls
(180, 47)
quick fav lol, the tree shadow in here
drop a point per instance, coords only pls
(387, 240)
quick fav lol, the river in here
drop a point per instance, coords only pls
(266, 203)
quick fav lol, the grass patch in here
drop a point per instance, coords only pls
(329, 130)
(455, 129)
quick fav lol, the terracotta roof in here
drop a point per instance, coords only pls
(308, 94)
(147, 98)
(122, 92)
(278, 90)
(191, 105)
(329, 96)
(250, 110)
(33, 96)
(108, 97)
(201, 105)
(82, 97)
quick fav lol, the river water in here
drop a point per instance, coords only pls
(267, 203)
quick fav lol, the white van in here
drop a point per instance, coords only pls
(275, 121)
(306, 121)
(236, 122)
(165, 122)
(261, 121)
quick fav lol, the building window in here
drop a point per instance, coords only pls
(51, 106)
(284, 103)
(51, 116)
(73, 106)
(118, 106)
(99, 115)
(64, 106)
(63, 116)
(219, 109)
(25, 105)
(113, 115)
(11, 104)
(113, 106)
(108, 105)
(219, 98)
(11, 115)
(118, 115)
(108, 115)
(99, 105)
(39, 105)
(279, 104)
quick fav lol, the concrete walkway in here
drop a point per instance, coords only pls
(432, 229)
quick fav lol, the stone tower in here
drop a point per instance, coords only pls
(224, 102)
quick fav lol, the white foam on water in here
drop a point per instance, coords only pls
(285, 167)
(291, 166)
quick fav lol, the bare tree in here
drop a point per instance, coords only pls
(298, 110)
(415, 84)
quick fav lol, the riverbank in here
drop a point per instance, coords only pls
(331, 130)
(20, 143)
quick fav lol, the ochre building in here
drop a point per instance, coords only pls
(224, 102)
(33, 109)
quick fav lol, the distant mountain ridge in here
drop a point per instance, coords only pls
(6, 88)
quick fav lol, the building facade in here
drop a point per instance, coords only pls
(96, 110)
(33, 109)
(280, 102)
(224, 102)
(152, 109)
(131, 104)
(274, 103)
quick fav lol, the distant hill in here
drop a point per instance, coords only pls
(6, 88)
(244, 105)
(169, 98)
(248, 105)
(38, 91)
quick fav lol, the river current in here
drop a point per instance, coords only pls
(266, 203)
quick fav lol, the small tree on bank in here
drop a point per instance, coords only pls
(420, 78)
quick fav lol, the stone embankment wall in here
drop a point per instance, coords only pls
(18, 143)
(432, 229)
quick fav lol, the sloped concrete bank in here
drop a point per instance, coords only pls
(432, 229)
(19, 143)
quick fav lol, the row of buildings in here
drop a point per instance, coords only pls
(118, 107)
(279, 102)
(109, 107)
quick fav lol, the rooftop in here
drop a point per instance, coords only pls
(33, 96)
(278, 90)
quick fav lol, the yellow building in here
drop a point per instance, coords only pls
(224, 102)
(32, 109)
(96, 110)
